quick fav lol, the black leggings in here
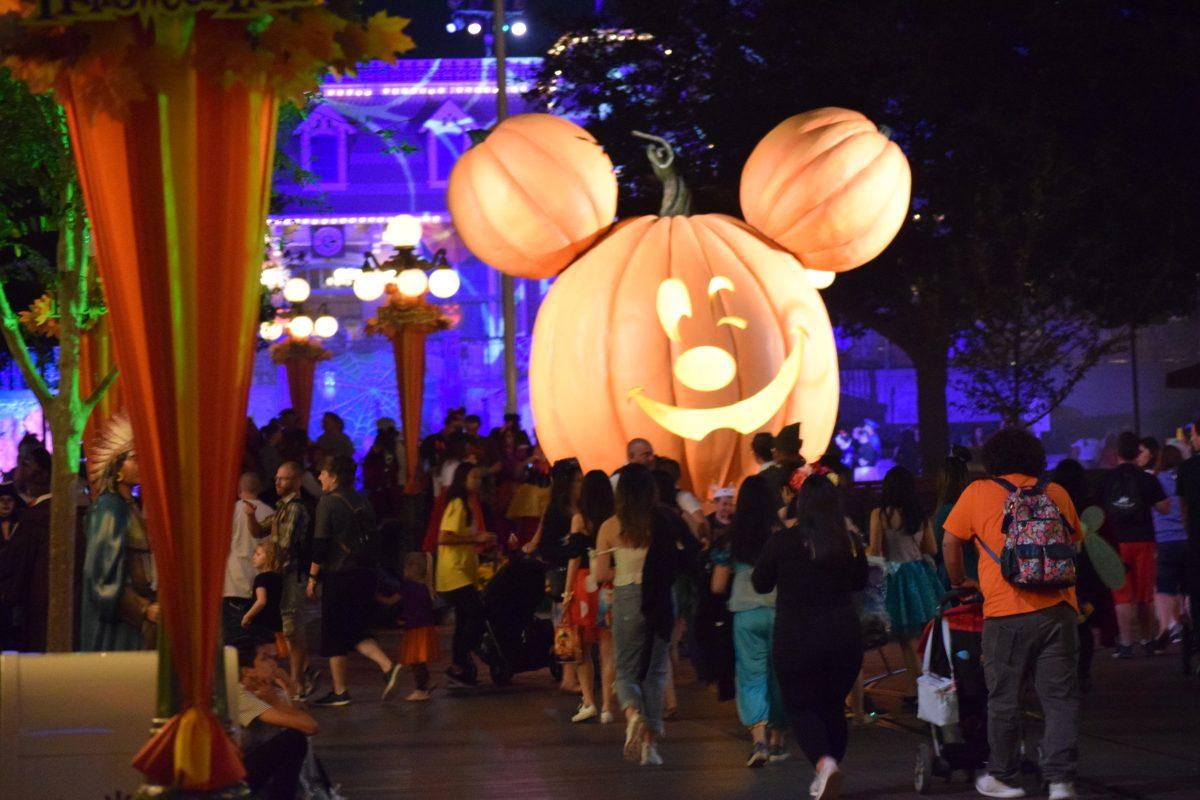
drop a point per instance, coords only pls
(468, 626)
(273, 768)
(818, 655)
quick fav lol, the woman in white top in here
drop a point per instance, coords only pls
(621, 548)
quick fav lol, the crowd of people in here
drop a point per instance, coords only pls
(764, 593)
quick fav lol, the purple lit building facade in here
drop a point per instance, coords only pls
(379, 145)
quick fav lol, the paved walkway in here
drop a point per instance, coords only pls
(1141, 739)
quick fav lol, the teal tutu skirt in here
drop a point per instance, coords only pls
(911, 592)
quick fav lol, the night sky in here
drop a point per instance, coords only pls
(546, 20)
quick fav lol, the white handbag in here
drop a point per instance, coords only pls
(937, 696)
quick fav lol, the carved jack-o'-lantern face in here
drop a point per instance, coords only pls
(707, 368)
(693, 332)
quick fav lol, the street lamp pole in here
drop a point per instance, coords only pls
(507, 298)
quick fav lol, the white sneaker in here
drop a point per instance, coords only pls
(650, 756)
(584, 714)
(1062, 791)
(606, 718)
(989, 786)
(634, 734)
(828, 783)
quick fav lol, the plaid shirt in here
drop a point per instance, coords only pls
(290, 524)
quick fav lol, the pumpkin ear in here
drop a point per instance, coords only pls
(829, 186)
(531, 194)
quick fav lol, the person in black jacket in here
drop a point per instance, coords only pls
(816, 566)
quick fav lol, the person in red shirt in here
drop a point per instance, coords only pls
(1023, 628)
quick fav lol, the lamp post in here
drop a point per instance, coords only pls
(412, 275)
(471, 17)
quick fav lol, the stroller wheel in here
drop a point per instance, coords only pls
(501, 675)
(923, 773)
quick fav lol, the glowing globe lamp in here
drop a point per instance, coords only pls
(296, 290)
(369, 286)
(301, 327)
(325, 326)
(412, 283)
(444, 282)
(270, 331)
(402, 231)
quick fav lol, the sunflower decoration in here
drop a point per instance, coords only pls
(41, 318)
(291, 349)
(400, 311)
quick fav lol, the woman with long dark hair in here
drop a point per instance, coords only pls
(585, 609)
(550, 543)
(815, 567)
(461, 531)
(641, 648)
(901, 532)
(759, 705)
(952, 479)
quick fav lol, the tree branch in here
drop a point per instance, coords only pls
(10, 326)
(98, 393)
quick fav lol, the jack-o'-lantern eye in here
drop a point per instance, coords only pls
(673, 304)
(719, 283)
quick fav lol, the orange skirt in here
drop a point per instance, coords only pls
(419, 646)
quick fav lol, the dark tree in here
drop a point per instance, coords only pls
(1051, 146)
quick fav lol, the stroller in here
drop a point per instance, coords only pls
(953, 648)
(515, 639)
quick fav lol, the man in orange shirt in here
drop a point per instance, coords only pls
(1026, 631)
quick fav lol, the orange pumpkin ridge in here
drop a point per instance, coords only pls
(829, 187)
(533, 195)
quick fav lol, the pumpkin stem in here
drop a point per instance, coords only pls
(677, 198)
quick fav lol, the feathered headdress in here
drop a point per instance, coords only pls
(108, 452)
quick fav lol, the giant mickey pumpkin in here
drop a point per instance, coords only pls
(694, 332)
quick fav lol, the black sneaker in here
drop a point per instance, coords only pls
(308, 682)
(1123, 651)
(391, 681)
(332, 700)
(461, 678)
(1148, 648)
(779, 754)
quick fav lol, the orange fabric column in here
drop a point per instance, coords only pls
(96, 360)
(300, 374)
(176, 186)
(408, 347)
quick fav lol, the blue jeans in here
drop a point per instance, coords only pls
(629, 634)
(758, 697)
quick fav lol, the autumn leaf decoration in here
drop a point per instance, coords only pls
(122, 60)
(399, 312)
(298, 350)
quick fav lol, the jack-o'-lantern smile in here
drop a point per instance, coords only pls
(706, 368)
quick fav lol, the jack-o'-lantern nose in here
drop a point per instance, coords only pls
(705, 368)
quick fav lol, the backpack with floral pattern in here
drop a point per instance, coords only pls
(1038, 552)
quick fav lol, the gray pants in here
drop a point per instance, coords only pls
(1043, 645)
(629, 643)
